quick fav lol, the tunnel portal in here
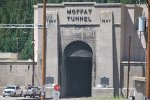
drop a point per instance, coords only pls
(78, 63)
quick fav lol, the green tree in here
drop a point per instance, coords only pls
(14, 40)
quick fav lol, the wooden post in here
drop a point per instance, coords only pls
(128, 67)
(33, 65)
(44, 51)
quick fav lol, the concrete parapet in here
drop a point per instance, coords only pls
(102, 92)
(11, 56)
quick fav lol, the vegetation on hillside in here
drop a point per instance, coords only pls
(21, 12)
(16, 40)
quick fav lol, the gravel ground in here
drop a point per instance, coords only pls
(98, 98)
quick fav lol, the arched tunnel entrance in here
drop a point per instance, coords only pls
(78, 68)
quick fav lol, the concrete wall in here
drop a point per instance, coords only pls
(17, 75)
(131, 29)
(109, 40)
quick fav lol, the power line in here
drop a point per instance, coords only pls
(20, 26)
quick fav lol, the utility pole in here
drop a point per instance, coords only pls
(33, 65)
(44, 51)
(148, 55)
(128, 67)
